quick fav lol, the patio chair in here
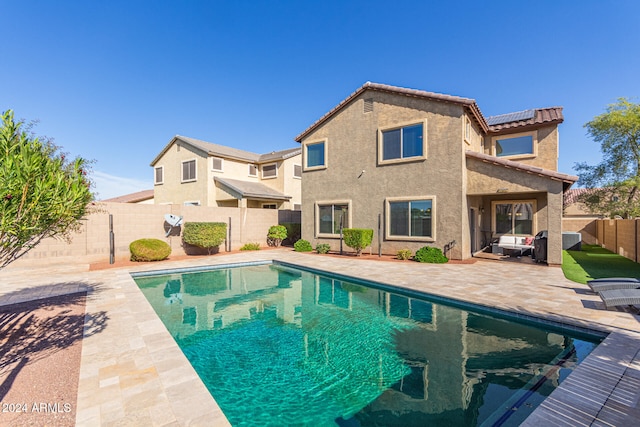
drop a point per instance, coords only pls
(614, 279)
(605, 286)
(618, 297)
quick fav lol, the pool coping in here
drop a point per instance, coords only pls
(134, 372)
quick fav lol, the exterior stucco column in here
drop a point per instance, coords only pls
(554, 227)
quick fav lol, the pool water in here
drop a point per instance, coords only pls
(278, 346)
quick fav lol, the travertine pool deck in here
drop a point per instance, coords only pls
(133, 373)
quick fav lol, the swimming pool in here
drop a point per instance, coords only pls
(277, 346)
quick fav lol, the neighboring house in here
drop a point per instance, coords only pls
(427, 169)
(193, 172)
(140, 197)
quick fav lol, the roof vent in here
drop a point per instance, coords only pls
(368, 105)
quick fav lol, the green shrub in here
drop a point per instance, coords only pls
(323, 248)
(357, 238)
(293, 232)
(276, 234)
(404, 254)
(149, 250)
(250, 247)
(206, 235)
(302, 246)
(431, 255)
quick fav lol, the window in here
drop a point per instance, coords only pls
(315, 155)
(410, 218)
(513, 217)
(194, 203)
(402, 143)
(216, 164)
(297, 171)
(522, 144)
(269, 206)
(253, 170)
(270, 171)
(330, 215)
(189, 170)
(158, 175)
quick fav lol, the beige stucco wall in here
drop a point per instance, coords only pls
(173, 190)
(546, 151)
(352, 148)
(137, 221)
(585, 226)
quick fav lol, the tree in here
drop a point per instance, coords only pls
(42, 193)
(616, 179)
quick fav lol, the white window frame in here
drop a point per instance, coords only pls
(275, 165)
(294, 172)
(305, 148)
(467, 131)
(255, 170)
(331, 203)
(195, 162)
(155, 175)
(213, 163)
(387, 214)
(265, 206)
(381, 131)
(534, 143)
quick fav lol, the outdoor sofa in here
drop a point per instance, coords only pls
(516, 245)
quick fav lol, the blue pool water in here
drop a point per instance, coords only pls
(278, 346)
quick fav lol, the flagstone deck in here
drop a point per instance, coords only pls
(133, 373)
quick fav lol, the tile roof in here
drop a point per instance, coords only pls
(251, 189)
(525, 118)
(132, 197)
(466, 102)
(568, 180)
(229, 152)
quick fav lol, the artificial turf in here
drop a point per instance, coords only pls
(594, 262)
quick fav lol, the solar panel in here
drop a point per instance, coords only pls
(511, 117)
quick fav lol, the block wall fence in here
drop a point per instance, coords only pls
(621, 236)
(138, 221)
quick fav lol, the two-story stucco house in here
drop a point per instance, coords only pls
(427, 169)
(193, 172)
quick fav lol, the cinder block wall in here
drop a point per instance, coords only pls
(138, 221)
(586, 227)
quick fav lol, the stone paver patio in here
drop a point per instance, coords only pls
(133, 373)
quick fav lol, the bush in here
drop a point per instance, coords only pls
(293, 232)
(206, 235)
(276, 234)
(149, 250)
(431, 255)
(404, 254)
(357, 238)
(323, 248)
(302, 246)
(250, 247)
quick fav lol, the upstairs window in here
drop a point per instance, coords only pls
(297, 171)
(253, 170)
(315, 155)
(216, 164)
(189, 170)
(402, 143)
(269, 171)
(158, 175)
(515, 145)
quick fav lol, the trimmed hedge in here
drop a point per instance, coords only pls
(250, 247)
(206, 235)
(323, 248)
(149, 250)
(357, 238)
(276, 234)
(302, 246)
(430, 255)
(404, 254)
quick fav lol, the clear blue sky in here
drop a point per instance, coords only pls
(114, 81)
